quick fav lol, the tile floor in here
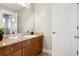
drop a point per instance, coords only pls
(45, 54)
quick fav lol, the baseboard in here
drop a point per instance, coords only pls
(47, 51)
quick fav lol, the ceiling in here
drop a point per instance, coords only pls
(11, 6)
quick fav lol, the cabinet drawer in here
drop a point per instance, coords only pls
(35, 40)
(26, 43)
(16, 53)
(16, 46)
(9, 49)
(5, 51)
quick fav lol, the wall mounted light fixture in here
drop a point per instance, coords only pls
(25, 4)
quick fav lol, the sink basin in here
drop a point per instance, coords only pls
(13, 37)
(29, 36)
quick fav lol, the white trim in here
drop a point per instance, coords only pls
(47, 51)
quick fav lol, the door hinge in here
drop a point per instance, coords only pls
(77, 27)
(77, 52)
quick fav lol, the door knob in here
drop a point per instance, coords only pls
(76, 36)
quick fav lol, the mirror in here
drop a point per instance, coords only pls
(19, 19)
(9, 23)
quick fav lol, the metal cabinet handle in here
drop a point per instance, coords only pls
(11, 49)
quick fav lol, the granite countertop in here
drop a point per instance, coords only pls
(16, 38)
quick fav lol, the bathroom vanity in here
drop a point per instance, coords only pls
(21, 45)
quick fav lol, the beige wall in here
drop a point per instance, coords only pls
(25, 20)
(42, 18)
(43, 23)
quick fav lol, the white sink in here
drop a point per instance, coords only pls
(29, 36)
(13, 37)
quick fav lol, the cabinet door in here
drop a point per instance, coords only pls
(36, 46)
(40, 43)
(26, 51)
(6, 50)
(33, 50)
(16, 53)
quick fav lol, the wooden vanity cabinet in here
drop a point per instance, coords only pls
(33, 51)
(30, 47)
(16, 50)
(27, 43)
(36, 46)
(16, 53)
(26, 51)
(33, 47)
(10, 49)
(4, 51)
(26, 47)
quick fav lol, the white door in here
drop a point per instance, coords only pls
(78, 28)
(64, 28)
